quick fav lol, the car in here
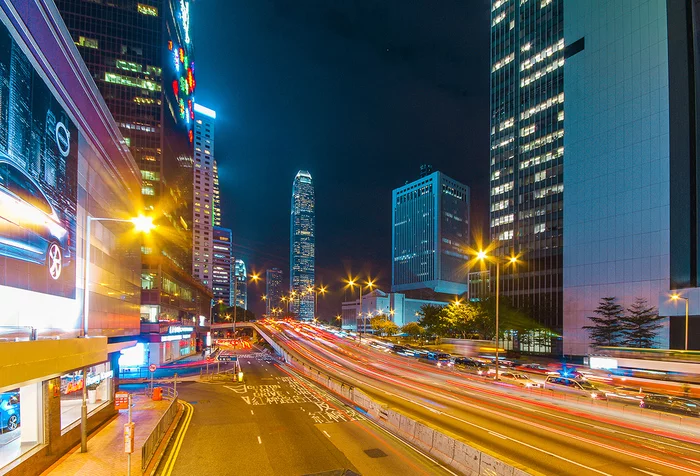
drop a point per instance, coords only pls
(683, 406)
(520, 380)
(470, 365)
(9, 411)
(30, 229)
(626, 394)
(574, 386)
(440, 359)
(402, 350)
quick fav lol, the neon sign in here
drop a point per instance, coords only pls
(185, 15)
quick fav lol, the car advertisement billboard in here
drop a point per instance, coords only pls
(38, 180)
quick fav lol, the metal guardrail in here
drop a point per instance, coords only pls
(154, 439)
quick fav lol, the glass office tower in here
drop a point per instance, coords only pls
(527, 151)
(273, 284)
(302, 246)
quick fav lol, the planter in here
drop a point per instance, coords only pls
(92, 396)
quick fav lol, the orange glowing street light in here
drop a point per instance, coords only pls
(676, 297)
(352, 282)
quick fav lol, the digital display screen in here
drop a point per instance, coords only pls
(38, 184)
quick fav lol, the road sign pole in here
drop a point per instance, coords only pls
(129, 435)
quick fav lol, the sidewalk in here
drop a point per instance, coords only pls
(105, 454)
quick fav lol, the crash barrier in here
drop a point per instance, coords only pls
(154, 439)
(449, 449)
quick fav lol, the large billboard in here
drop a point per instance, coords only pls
(38, 180)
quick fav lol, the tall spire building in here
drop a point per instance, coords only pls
(527, 151)
(302, 245)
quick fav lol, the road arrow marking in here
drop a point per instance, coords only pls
(247, 400)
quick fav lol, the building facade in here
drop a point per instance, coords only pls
(631, 221)
(240, 296)
(302, 246)
(430, 235)
(222, 266)
(273, 291)
(395, 306)
(527, 151)
(203, 206)
(62, 160)
(141, 57)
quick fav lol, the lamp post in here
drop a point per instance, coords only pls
(676, 297)
(316, 291)
(482, 256)
(141, 224)
(369, 284)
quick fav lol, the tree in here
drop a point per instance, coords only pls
(383, 326)
(607, 323)
(413, 330)
(433, 320)
(462, 318)
(640, 325)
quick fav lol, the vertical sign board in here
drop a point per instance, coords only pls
(121, 400)
(128, 437)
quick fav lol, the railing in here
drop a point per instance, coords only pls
(154, 439)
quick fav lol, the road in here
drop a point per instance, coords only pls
(277, 423)
(543, 433)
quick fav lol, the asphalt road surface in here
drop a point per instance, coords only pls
(278, 423)
(530, 428)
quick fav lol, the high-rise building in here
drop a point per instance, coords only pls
(273, 290)
(141, 58)
(430, 233)
(222, 265)
(217, 195)
(302, 245)
(203, 212)
(241, 281)
(631, 209)
(527, 151)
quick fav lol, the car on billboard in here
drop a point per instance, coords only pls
(9, 411)
(30, 229)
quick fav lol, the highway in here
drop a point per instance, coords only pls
(544, 433)
(278, 423)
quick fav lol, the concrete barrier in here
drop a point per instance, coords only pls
(466, 459)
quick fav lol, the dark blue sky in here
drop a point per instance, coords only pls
(360, 93)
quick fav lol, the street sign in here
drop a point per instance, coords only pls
(152, 368)
(121, 400)
(128, 438)
(227, 358)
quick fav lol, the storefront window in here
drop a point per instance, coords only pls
(21, 411)
(99, 392)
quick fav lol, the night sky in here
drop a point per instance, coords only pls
(360, 93)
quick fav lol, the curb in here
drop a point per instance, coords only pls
(160, 450)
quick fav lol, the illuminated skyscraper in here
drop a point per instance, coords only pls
(204, 119)
(527, 151)
(222, 266)
(430, 233)
(302, 245)
(241, 279)
(141, 56)
(273, 290)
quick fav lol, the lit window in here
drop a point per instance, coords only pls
(147, 190)
(147, 10)
(133, 82)
(87, 42)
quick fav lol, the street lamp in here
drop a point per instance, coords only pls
(369, 284)
(676, 297)
(141, 224)
(482, 256)
(322, 290)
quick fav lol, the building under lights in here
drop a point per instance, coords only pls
(273, 290)
(302, 245)
(217, 195)
(222, 265)
(527, 151)
(203, 206)
(430, 233)
(141, 57)
(241, 282)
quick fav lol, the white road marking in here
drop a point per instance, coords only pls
(498, 435)
(326, 433)
(251, 412)
(646, 472)
(259, 440)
